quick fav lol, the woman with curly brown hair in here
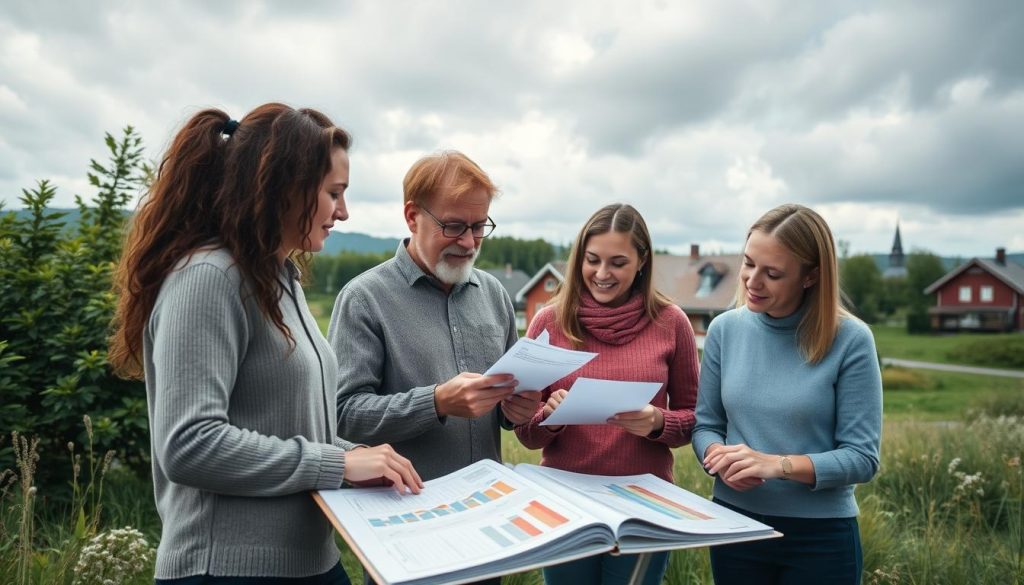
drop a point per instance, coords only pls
(240, 381)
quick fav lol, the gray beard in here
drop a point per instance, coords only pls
(452, 275)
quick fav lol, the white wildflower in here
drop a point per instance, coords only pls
(115, 556)
(971, 484)
(953, 465)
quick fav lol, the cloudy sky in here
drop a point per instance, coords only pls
(703, 115)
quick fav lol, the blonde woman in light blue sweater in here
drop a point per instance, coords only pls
(789, 408)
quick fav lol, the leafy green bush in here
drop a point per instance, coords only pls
(55, 310)
(1003, 351)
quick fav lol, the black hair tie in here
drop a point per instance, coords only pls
(229, 127)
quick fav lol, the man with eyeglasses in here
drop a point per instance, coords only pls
(412, 333)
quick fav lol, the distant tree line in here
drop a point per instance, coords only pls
(873, 298)
(526, 255)
(331, 272)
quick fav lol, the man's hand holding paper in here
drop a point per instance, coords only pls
(536, 365)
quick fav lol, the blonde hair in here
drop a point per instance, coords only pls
(448, 169)
(619, 218)
(806, 235)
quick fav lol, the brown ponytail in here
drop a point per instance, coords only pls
(229, 190)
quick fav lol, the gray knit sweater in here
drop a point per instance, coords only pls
(242, 427)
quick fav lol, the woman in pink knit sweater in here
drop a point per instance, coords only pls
(609, 306)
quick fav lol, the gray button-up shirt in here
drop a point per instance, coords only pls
(397, 334)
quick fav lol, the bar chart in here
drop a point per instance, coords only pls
(648, 499)
(532, 521)
(493, 492)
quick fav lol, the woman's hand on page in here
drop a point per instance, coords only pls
(381, 463)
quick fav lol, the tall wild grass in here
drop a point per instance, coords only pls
(75, 536)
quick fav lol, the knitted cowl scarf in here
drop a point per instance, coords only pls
(613, 325)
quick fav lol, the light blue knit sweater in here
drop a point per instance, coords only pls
(756, 388)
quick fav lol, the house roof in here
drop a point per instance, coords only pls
(1010, 273)
(679, 277)
(556, 268)
(512, 280)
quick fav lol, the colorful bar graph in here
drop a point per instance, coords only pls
(546, 515)
(496, 490)
(525, 526)
(655, 502)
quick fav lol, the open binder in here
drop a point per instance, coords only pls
(487, 520)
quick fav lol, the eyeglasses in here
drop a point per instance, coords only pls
(455, 229)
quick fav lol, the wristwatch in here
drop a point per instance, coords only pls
(787, 467)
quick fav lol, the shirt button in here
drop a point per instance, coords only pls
(455, 329)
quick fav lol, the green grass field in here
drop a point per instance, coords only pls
(895, 342)
(928, 395)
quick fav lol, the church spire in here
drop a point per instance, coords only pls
(896, 256)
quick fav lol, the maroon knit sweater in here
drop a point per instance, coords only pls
(662, 351)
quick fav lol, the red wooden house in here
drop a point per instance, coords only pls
(981, 294)
(540, 288)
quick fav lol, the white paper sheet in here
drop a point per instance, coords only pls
(592, 402)
(536, 365)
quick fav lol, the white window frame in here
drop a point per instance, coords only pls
(965, 294)
(550, 283)
(986, 294)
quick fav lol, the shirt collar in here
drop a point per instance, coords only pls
(413, 273)
(291, 270)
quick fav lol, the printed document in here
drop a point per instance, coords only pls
(593, 402)
(536, 364)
